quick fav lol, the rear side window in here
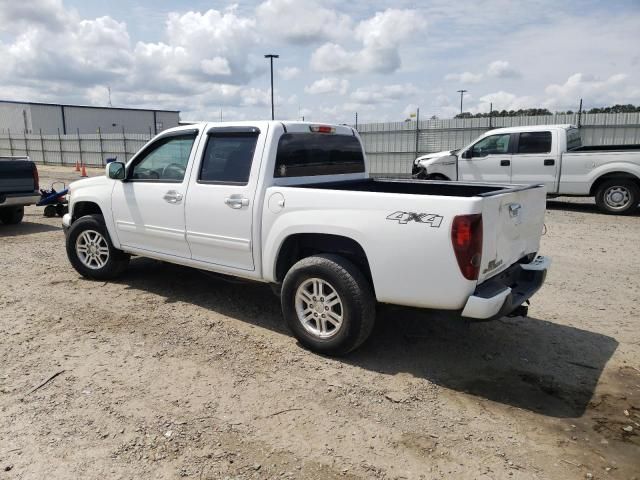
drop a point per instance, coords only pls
(309, 154)
(573, 139)
(534, 142)
(228, 157)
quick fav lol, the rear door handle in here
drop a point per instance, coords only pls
(172, 197)
(549, 161)
(505, 163)
(236, 202)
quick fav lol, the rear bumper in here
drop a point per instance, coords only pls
(502, 294)
(20, 200)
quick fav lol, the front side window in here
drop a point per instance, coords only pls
(492, 145)
(165, 160)
(534, 142)
(228, 157)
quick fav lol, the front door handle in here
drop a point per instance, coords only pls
(172, 197)
(549, 161)
(236, 201)
(505, 163)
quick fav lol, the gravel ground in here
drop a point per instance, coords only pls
(169, 373)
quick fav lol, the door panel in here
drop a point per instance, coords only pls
(490, 160)
(535, 160)
(148, 208)
(220, 201)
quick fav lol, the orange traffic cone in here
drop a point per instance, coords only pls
(77, 165)
(84, 171)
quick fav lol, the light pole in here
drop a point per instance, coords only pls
(461, 92)
(271, 56)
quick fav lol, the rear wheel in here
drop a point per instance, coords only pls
(618, 197)
(91, 252)
(11, 215)
(328, 304)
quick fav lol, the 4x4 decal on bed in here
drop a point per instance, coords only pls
(406, 217)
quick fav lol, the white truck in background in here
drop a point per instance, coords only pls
(292, 204)
(552, 155)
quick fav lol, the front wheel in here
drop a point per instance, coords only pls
(618, 197)
(91, 252)
(328, 304)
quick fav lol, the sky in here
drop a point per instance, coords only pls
(381, 59)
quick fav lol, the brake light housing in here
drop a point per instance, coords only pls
(466, 239)
(322, 129)
(36, 177)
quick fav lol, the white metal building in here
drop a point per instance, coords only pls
(52, 118)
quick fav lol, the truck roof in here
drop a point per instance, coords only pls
(294, 126)
(530, 128)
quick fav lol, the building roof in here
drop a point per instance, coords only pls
(15, 102)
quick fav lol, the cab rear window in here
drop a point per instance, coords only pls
(310, 154)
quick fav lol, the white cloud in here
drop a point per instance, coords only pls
(301, 22)
(215, 66)
(381, 37)
(385, 93)
(289, 73)
(328, 85)
(614, 89)
(502, 69)
(465, 77)
(503, 101)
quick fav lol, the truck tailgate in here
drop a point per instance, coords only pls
(512, 226)
(16, 176)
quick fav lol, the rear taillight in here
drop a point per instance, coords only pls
(466, 238)
(36, 178)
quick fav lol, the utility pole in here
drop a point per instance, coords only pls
(580, 115)
(271, 56)
(109, 91)
(461, 92)
(356, 120)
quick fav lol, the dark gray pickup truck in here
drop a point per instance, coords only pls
(18, 187)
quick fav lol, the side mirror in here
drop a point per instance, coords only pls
(467, 154)
(115, 170)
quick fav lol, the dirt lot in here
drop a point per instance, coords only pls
(169, 373)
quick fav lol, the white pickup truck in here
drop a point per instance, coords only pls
(549, 154)
(292, 204)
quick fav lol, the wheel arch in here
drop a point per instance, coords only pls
(86, 207)
(297, 246)
(617, 175)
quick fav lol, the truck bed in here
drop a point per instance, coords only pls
(604, 148)
(418, 187)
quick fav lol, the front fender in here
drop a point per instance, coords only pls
(445, 165)
(98, 193)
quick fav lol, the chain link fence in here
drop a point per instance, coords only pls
(89, 149)
(391, 147)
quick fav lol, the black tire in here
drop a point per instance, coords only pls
(11, 215)
(116, 262)
(628, 190)
(357, 303)
(50, 211)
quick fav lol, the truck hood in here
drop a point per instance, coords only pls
(89, 182)
(431, 158)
